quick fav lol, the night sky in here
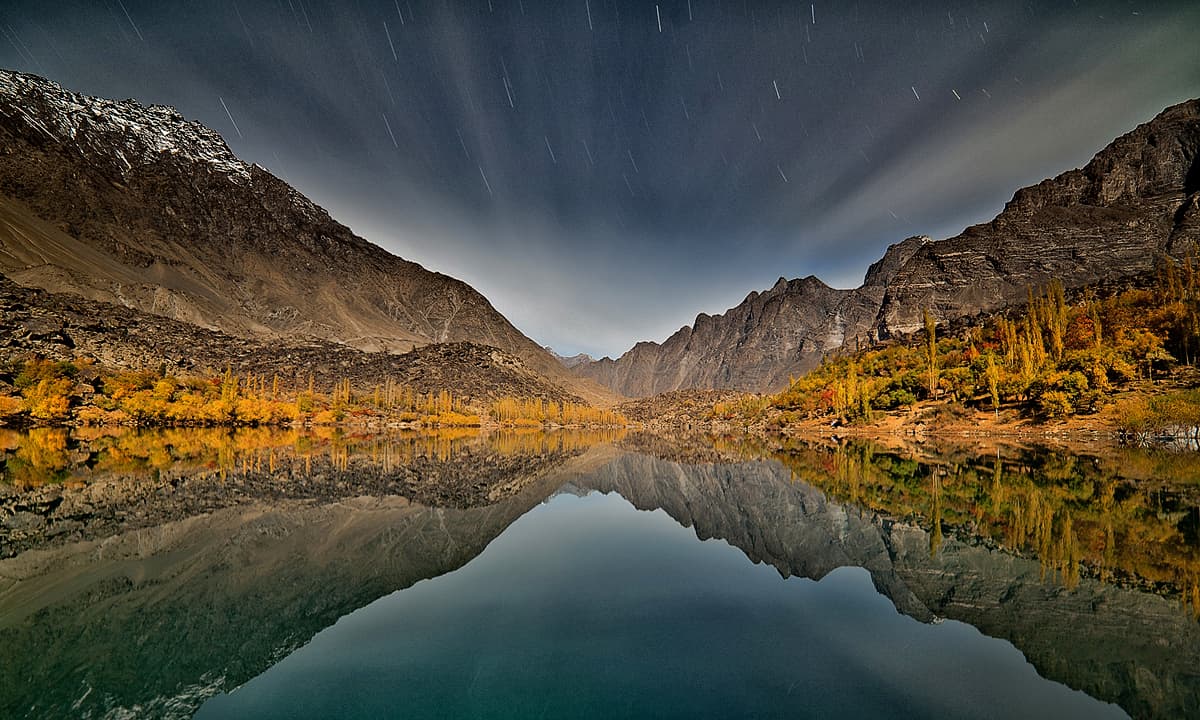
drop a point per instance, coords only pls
(602, 171)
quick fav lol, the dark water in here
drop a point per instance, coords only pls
(251, 575)
(586, 607)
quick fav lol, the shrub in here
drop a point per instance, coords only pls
(50, 399)
(10, 407)
(1055, 404)
(894, 398)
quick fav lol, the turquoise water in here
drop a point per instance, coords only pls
(586, 607)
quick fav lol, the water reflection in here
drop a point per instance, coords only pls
(71, 456)
(60, 486)
(585, 608)
(200, 561)
(1122, 515)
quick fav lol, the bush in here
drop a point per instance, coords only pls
(99, 416)
(453, 419)
(1055, 404)
(35, 371)
(50, 399)
(895, 398)
(1173, 414)
(10, 407)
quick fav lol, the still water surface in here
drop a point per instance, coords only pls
(288, 575)
(586, 607)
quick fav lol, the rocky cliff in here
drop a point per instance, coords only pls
(782, 332)
(138, 206)
(1138, 199)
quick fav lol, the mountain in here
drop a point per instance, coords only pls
(138, 206)
(1137, 200)
(572, 361)
(757, 345)
(60, 326)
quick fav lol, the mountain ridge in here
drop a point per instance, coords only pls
(136, 205)
(761, 343)
(1136, 200)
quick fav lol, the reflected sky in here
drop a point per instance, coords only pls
(586, 607)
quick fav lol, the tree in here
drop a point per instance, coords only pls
(992, 373)
(931, 351)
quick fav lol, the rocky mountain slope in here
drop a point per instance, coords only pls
(136, 205)
(1138, 199)
(782, 332)
(62, 327)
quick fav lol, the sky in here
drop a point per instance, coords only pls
(605, 170)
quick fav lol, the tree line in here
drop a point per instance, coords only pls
(38, 391)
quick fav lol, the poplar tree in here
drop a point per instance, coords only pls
(931, 351)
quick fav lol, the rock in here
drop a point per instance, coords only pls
(128, 338)
(1109, 221)
(23, 521)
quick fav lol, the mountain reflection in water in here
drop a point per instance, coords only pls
(190, 605)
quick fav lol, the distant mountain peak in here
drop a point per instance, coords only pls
(571, 361)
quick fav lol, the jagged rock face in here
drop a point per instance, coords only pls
(758, 345)
(1135, 201)
(137, 206)
(1138, 199)
(786, 328)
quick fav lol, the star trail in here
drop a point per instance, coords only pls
(603, 170)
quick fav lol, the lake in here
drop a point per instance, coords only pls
(280, 574)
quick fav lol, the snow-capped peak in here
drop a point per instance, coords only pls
(131, 133)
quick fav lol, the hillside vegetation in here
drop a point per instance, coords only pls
(1050, 359)
(45, 392)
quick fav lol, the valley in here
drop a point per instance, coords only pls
(234, 432)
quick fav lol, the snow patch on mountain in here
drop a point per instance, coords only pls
(132, 134)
